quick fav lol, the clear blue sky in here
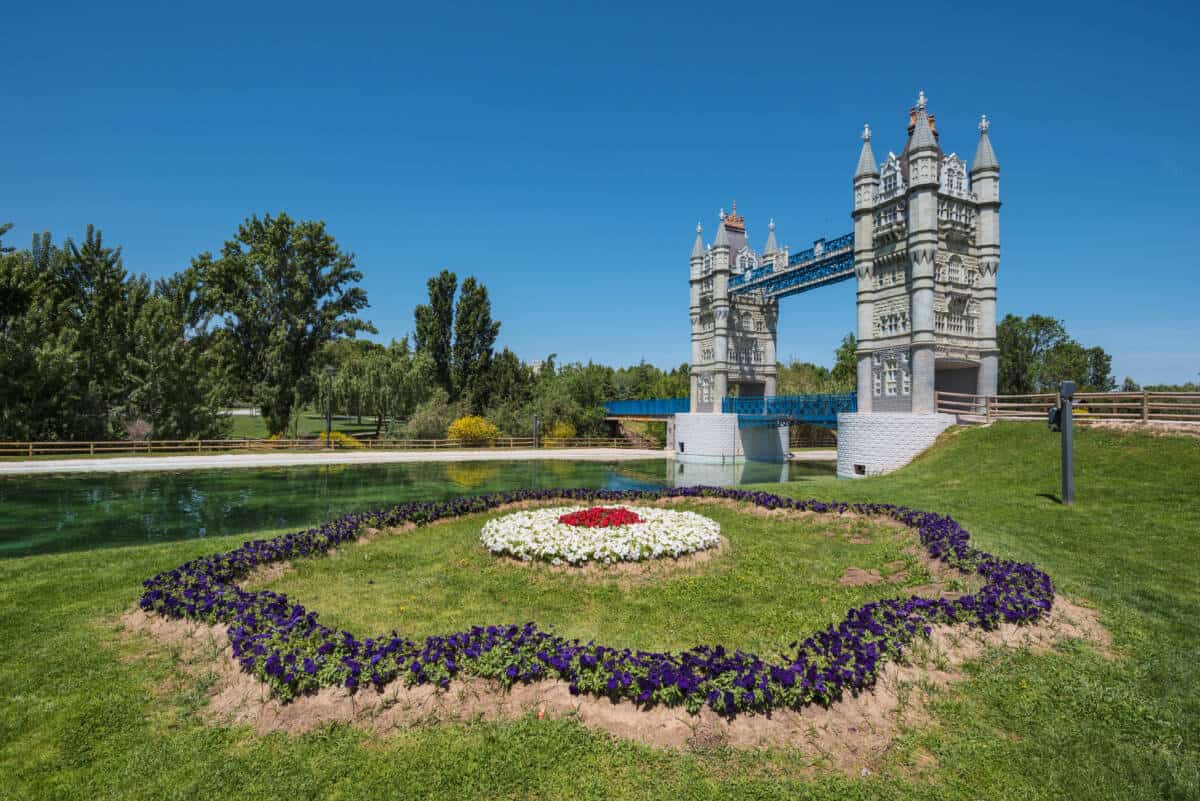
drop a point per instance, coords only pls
(563, 154)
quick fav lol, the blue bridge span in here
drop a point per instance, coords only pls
(752, 412)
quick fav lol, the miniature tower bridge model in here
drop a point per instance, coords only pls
(924, 251)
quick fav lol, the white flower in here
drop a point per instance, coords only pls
(537, 534)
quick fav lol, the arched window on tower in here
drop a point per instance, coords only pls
(746, 260)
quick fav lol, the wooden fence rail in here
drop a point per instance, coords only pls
(1132, 406)
(133, 448)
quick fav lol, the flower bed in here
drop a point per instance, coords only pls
(601, 534)
(285, 645)
(601, 517)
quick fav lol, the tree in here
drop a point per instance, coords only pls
(435, 326)
(1036, 353)
(173, 384)
(845, 368)
(282, 290)
(1129, 385)
(475, 335)
(1099, 377)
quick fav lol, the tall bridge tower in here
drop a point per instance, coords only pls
(926, 252)
(733, 335)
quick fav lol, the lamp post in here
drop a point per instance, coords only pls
(1067, 390)
(329, 371)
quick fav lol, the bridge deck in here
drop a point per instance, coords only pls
(826, 262)
(755, 412)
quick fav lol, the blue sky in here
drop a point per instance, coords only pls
(563, 153)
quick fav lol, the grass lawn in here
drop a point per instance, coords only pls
(750, 596)
(79, 719)
(246, 426)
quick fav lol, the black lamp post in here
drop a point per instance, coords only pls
(329, 371)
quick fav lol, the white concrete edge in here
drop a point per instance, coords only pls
(153, 464)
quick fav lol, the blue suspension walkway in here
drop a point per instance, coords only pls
(772, 410)
(826, 262)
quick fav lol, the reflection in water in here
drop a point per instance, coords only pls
(43, 514)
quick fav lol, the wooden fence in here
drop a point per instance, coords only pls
(180, 447)
(1145, 407)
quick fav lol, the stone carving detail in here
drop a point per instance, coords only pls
(891, 317)
(922, 255)
(891, 375)
(989, 266)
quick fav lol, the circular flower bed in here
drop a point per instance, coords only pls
(606, 535)
(285, 645)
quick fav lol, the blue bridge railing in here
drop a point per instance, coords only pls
(828, 261)
(657, 407)
(819, 410)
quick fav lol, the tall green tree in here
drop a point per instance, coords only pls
(280, 291)
(173, 382)
(845, 368)
(475, 335)
(435, 326)
(1036, 353)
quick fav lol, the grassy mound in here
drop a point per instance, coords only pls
(780, 580)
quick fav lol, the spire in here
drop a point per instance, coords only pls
(770, 247)
(698, 247)
(866, 159)
(985, 157)
(722, 237)
(922, 136)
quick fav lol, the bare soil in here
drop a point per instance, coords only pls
(849, 737)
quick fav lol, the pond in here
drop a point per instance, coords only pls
(47, 514)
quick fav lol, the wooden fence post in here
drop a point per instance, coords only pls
(1145, 406)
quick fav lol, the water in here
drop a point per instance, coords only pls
(47, 514)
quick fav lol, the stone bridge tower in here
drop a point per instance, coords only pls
(926, 252)
(733, 338)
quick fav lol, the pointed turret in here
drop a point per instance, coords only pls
(722, 240)
(922, 136)
(866, 159)
(985, 157)
(770, 248)
(698, 246)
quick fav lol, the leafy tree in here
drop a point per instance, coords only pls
(475, 335)
(1036, 353)
(1129, 385)
(435, 327)
(173, 382)
(845, 368)
(281, 289)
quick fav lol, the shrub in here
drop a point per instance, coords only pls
(562, 430)
(138, 429)
(431, 419)
(340, 440)
(472, 428)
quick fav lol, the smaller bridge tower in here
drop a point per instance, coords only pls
(733, 336)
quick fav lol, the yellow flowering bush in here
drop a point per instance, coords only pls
(340, 440)
(473, 428)
(562, 430)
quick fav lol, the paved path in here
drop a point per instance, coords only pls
(143, 464)
(829, 455)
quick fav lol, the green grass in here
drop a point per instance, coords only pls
(79, 719)
(440, 580)
(255, 427)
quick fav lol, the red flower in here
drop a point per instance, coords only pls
(601, 517)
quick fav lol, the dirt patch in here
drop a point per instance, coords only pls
(1158, 428)
(852, 736)
(858, 577)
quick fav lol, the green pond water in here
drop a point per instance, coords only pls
(47, 514)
